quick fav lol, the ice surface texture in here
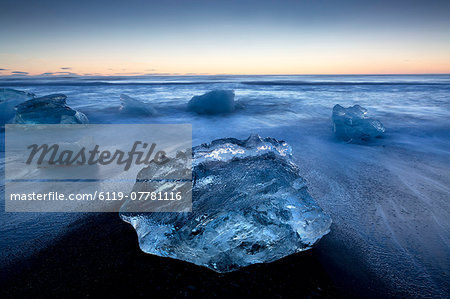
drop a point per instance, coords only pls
(9, 98)
(132, 106)
(213, 102)
(50, 109)
(250, 205)
(352, 124)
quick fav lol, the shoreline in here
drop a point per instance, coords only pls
(387, 199)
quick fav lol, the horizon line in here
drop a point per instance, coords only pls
(210, 74)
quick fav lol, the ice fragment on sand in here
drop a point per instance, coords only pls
(353, 124)
(133, 106)
(50, 109)
(213, 102)
(250, 205)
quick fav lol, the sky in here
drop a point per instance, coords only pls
(133, 37)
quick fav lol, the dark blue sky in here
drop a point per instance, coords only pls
(182, 36)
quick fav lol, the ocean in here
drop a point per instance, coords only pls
(388, 199)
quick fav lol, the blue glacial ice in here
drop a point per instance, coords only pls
(213, 102)
(9, 98)
(249, 205)
(133, 106)
(353, 125)
(50, 109)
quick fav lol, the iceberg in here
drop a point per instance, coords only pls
(249, 205)
(213, 102)
(50, 109)
(352, 124)
(9, 98)
(132, 106)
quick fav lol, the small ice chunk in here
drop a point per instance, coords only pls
(9, 98)
(213, 102)
(249, 205)
(50, 109)
(133, 106)
(353, 124)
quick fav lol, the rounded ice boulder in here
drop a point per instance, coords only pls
(213, 102)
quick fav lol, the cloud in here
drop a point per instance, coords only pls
(128, 73)
(66, 68)
(163, 74)
(113, 69)
(4, 69)
(19, 73)
(58, 74)
(66, 73)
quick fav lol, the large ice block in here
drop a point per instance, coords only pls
(133, 106)
(352, 124)
(250, 205)
(213, 102)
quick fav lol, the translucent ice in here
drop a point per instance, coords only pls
(132, 106)
(9, 98)
(51, 109)
(213, 102)
(250, 205)
(353, 124)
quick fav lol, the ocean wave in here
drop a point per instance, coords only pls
(327, 83)
(254, 80)
(99, 83)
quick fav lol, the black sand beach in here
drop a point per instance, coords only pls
(100, 257)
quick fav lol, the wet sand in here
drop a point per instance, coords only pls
(100, 257)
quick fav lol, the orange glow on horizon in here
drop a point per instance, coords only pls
(232, 65)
